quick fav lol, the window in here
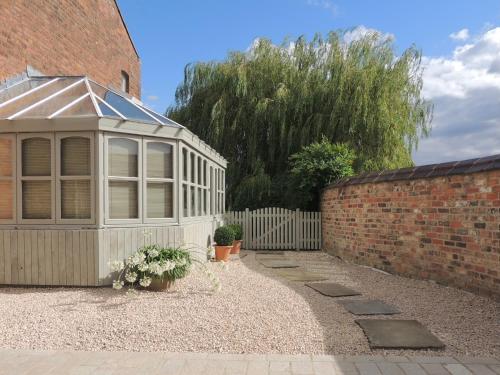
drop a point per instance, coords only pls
(75, 173)
(36, 179)
(7, 178)
(159, 180)
(185, 185)
(125, 82)
(123, 178)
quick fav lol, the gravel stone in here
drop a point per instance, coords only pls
(255, 312)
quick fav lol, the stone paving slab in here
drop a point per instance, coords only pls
(369, 307)
(271, 252)
(398, 334)
(282, 263)
(333, 289)
(13, 362)
(294, 274)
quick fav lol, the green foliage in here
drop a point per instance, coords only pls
(224, 236)
(259, 107)
(237, 230)
(320, 164)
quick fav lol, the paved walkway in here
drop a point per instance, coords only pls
(17, 362)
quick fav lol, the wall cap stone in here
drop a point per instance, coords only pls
(460, 167)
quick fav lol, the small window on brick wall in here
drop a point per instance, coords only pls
(125, 82)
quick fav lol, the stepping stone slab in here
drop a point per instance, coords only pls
(398, 334)
(282, 263)
(333, 289)
(293, 274)
(373, 307)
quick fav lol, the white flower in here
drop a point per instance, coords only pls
(117, 284)
(136, 259)
(145, 281)
(131, 277)
(153, 253)
(156, 268)
(116, 265)
(168, 265)
(143, 267)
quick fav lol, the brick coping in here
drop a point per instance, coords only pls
(477, 165)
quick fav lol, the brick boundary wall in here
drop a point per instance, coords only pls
(439, 222)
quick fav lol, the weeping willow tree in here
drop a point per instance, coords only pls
(261, 106)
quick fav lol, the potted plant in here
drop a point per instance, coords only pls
(238, 236)
(223, 237)
(153, 267)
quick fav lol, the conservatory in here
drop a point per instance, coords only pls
(88, 174)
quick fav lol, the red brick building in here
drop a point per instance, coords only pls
(62, 37)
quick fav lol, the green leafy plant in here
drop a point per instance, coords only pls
(152, 262)
(319, 164)
(224, 236)
(238, 231)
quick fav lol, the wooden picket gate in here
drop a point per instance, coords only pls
(276, 228)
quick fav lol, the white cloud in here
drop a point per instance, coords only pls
(460, 35)
(465, 90)
(325, 4)
(361, 31)
(153, 98)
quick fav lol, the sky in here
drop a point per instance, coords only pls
(459, 39)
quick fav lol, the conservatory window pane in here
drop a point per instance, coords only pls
(84, 107)
(193, 168)
(205, 173)
(37, 200)
(36, 157)
(185, 200)
(75, 199)
(200, 201)
(6, 200)
(126, 108)
(20, 88)
(160, 161)
(47, 108)
(6, 154)
(24, 102)
(185, 164)
(193, 201)
(160, 200)
(123, 203)
(205, 201)
(123, 157)
(75, 156)
(200, 165)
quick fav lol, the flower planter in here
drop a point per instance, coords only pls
(159, 285)
(222, 253)
(236, 247)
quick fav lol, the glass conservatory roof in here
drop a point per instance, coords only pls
(70, 97)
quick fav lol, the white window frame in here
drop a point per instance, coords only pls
(147, 179)
(59, 178)
(21, 178)
(138, 179)
(186, 162)
(12, 178)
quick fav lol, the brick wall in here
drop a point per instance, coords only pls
(67, 37)
(439, 222)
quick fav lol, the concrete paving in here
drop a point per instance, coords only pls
(398, 334)
(293, 274)
(13, 362)
(368, 307)
(333, 289)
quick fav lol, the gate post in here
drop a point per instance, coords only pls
(298, 226)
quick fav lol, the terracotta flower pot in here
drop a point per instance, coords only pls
(236, 247)
(222, 253)
(159, 285)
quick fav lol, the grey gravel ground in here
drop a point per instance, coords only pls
(255, 312)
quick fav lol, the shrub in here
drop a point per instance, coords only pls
(238, 231)
(224, 236)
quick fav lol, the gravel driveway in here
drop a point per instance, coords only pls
(255, 312)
